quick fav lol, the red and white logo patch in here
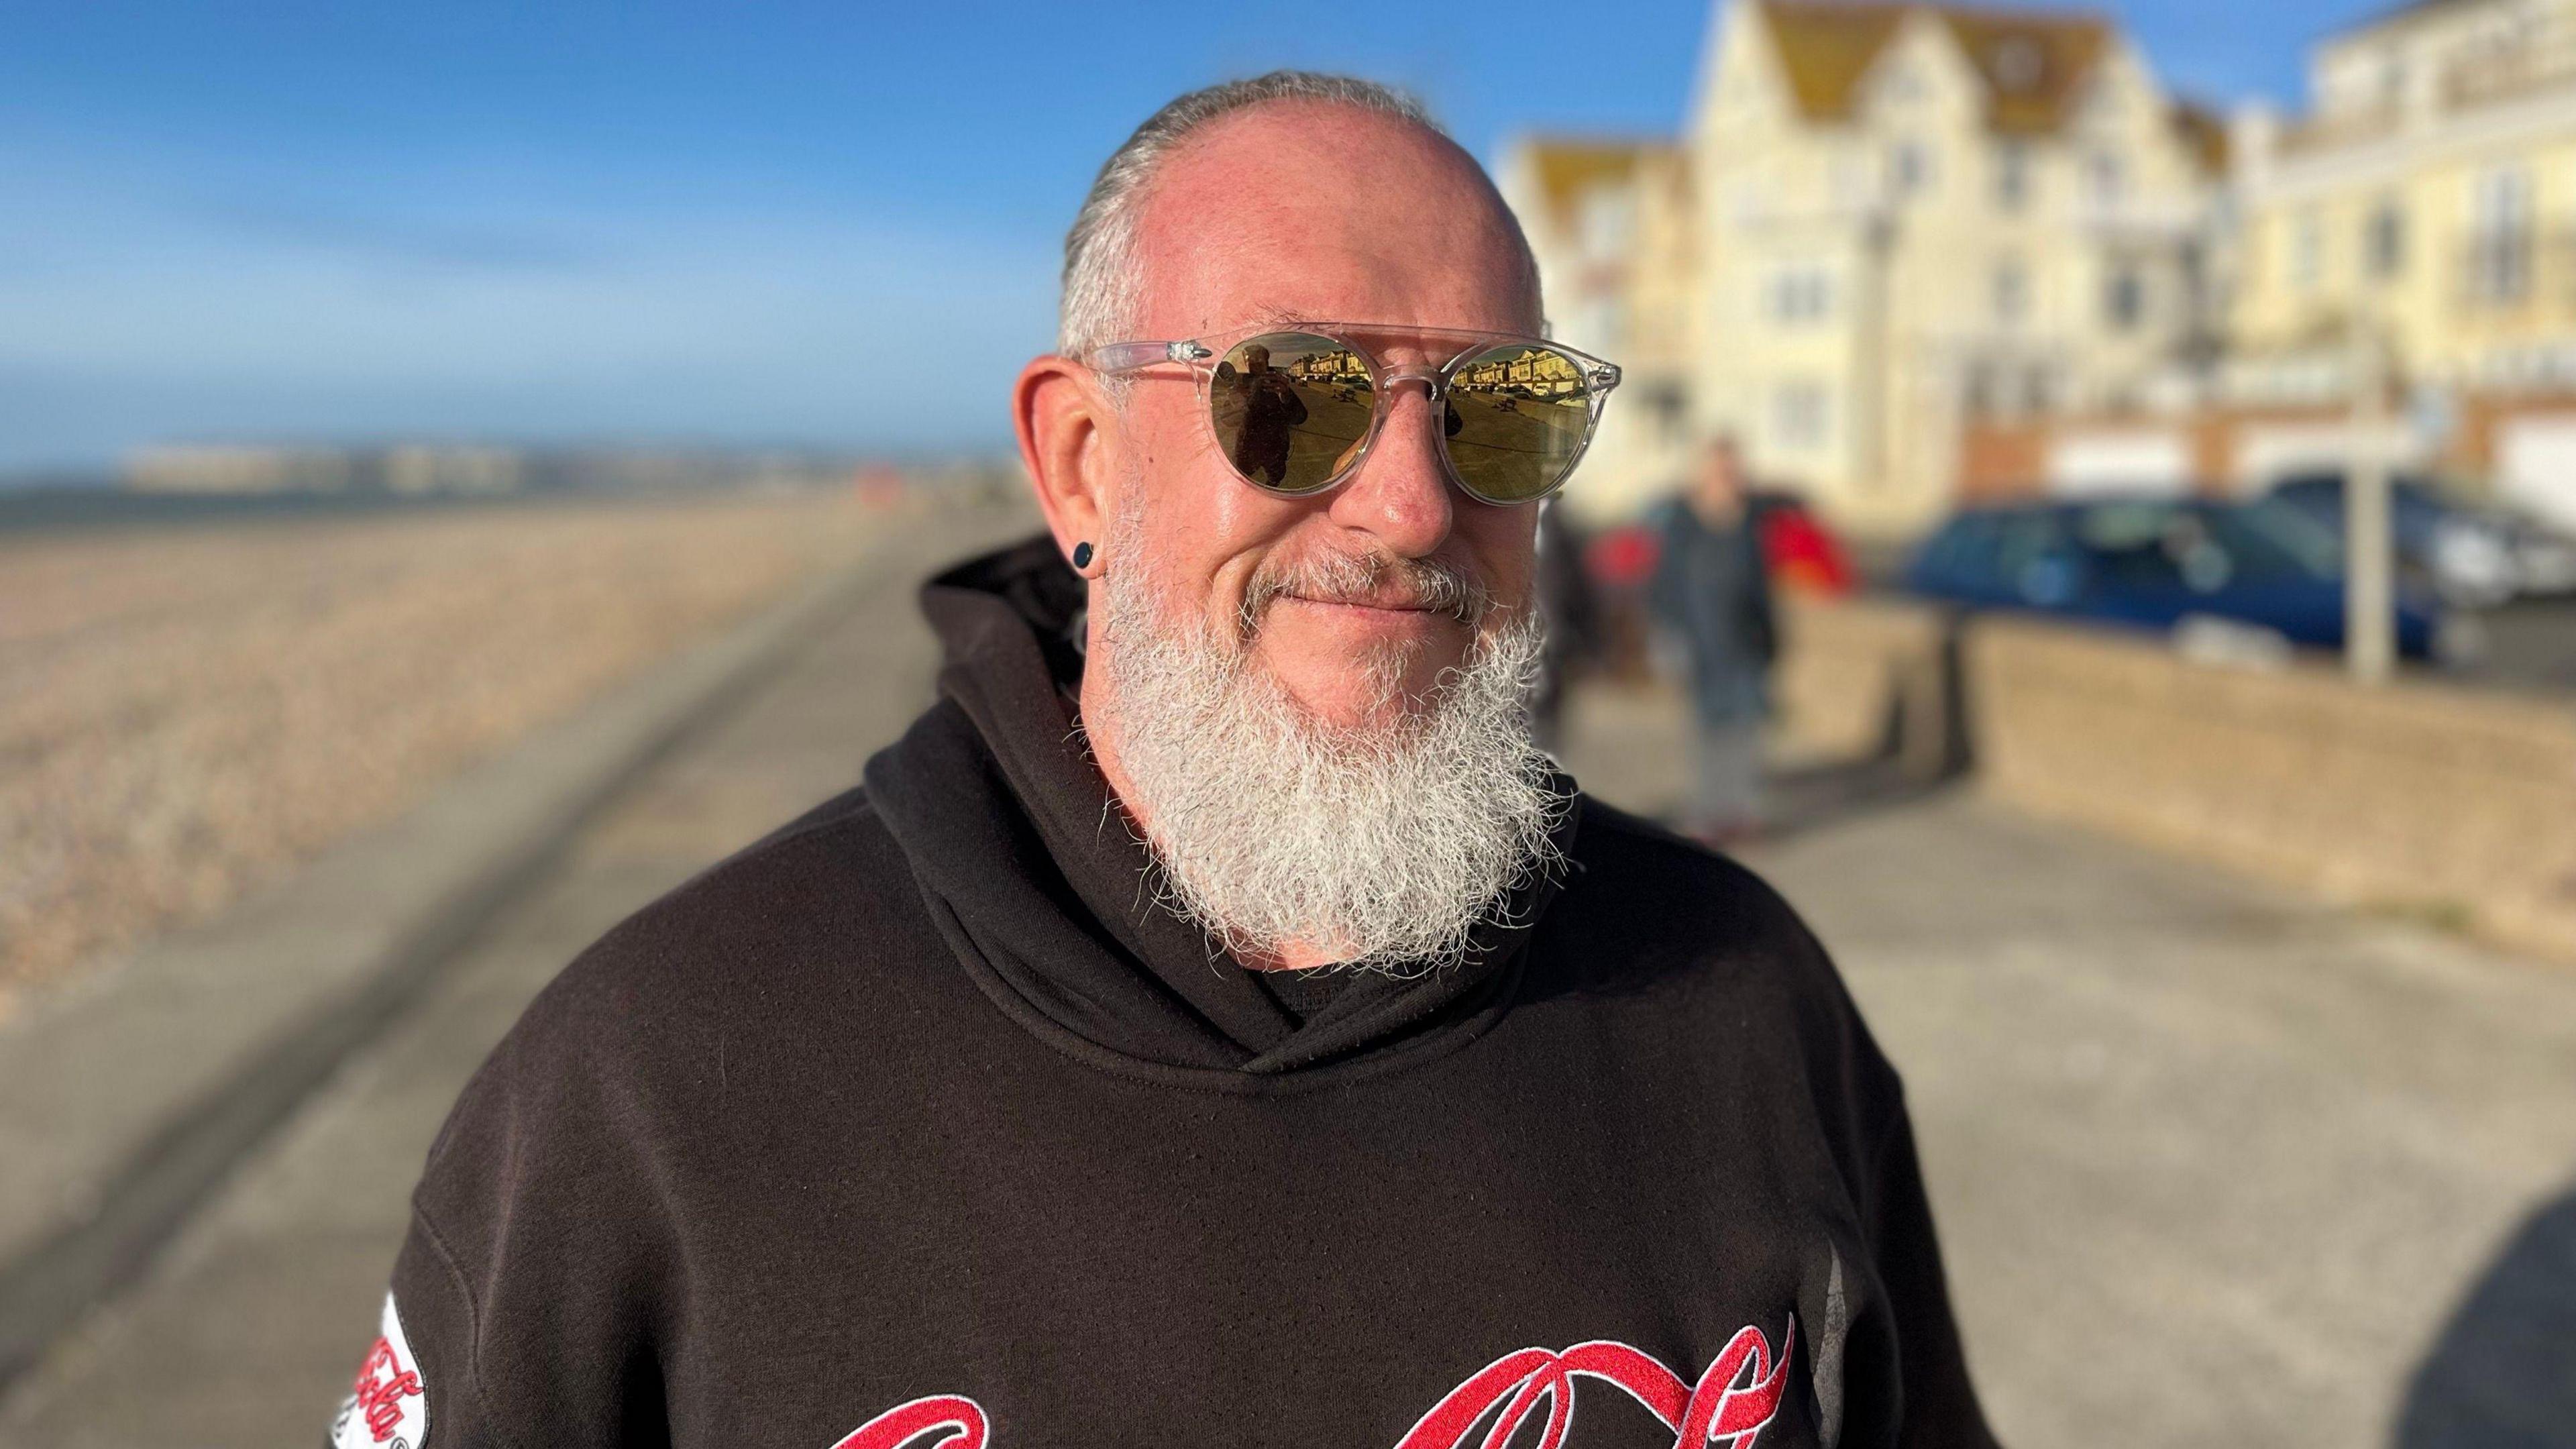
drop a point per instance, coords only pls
(388, 1406)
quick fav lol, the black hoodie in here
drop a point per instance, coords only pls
(921, 1123)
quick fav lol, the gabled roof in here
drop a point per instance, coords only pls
(2033, 62)
(1826, 49)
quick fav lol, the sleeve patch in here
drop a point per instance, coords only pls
(388, 1405)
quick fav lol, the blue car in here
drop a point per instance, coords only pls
(2474, 556)
(2151, 563)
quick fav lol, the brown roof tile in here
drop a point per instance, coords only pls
(1826, 48)
(2034, 62)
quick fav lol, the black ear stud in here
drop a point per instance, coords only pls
(1082, 555)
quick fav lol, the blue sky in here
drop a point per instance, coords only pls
(552, 222)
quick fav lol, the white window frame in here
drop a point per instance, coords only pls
(2307, 250)
(2500, 234)
(1802, 415)
(2009, 291)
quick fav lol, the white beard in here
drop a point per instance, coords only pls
(1386, 846)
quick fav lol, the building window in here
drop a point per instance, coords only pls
(2500, 237)
(1851, 179)
(1909, 169)
(1801, 416)
(2011, 292)
(2124, 298)
(1607, 225)
(1980, 393)
(1669, 406)
(2012, 175)
(1603, 322)
(2038, 389)
(1800, 295)
(2307, 251)
(2107, 178)
(2384, 239)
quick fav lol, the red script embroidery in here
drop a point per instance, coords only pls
(1733, 1402)
(961, 1419)
(381, 1386)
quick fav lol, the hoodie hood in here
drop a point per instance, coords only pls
(1050, 901)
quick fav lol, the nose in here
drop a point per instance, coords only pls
(1401, 494)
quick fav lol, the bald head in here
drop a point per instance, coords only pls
(1313, 210)
(1279, 180)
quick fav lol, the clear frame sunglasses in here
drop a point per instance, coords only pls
(1295, 407)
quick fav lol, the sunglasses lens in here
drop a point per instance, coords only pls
(1291, 408)
(1518, 417)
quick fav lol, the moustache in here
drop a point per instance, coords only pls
(1372, 580)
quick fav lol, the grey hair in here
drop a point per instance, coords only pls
(1100, 265)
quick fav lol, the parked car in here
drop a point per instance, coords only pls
(2158, 563)
(2477, 557)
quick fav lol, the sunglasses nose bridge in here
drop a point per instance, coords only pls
(1434, 380)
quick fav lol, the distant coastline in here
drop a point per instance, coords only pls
(360, 484)
(44, 508)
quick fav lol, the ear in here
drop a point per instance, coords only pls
(1066, 425)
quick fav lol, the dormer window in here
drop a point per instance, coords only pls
(2019, 65)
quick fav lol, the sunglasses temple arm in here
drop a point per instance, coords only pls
(1134, 356)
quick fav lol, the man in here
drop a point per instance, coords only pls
(1271, 412)
(1213, 1023)
(1712, 589)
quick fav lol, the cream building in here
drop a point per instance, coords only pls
(1921, 215)
(1881, 221)
(2426, 207)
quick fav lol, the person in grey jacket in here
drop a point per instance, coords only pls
(1712, 591)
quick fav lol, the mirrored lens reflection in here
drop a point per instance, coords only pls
(1291, 409)
(1518, 415)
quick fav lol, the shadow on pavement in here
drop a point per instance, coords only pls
(2503, 1372)
(1813, 797)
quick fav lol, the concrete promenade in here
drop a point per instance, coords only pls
(2212, 1164)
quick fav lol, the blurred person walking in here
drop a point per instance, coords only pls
(1712, 591)
(1569, 613)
